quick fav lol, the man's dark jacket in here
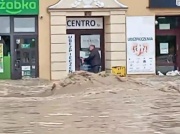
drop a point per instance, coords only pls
(94, 58)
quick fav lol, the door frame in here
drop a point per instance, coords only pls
(171, 32)
(13, 55)
(78, 34)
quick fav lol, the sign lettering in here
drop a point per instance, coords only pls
(140, 38)
(71, 54)
(17, 7)
(84, 23)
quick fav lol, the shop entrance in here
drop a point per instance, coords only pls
(83, 39)
(167, 44)
(25, 56)
(18, 47)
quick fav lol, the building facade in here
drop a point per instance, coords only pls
(162, 23)
(46, 39)
(101, 23)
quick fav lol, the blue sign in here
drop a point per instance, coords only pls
(164, 3)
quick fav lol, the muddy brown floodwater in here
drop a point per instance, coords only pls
(102, 105)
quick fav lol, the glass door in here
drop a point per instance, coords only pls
(166, 53)
(25, 57)
(85, 41)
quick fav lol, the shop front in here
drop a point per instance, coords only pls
(167, 36)
(84, 31)
(75, 25)
(19, 39)
(154, 36)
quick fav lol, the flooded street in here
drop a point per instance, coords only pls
(107, 105)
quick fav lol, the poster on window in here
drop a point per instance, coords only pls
(164, 48)
(1, 58)
(87, 40)
(26, 71)
(140, 45)
(71, 53)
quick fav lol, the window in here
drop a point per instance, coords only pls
(167, 23)
(24, 24)
(5, 25)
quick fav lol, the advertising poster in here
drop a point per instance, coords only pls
(71, 53)
(140, 45)
(1, 58)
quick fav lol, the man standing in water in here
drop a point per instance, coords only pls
(94, 59)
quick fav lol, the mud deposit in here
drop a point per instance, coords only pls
(91, 104)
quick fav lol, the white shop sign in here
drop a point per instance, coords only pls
(140, 45)
(71, 53)
(84, 23)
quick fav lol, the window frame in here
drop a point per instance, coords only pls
(13, 24)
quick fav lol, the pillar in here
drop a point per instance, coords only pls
(58, 45)
(115, 40)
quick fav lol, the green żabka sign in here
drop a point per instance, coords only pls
(19, 7)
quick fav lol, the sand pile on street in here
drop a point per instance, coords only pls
(82, 81)
(80, 78)
(75, 82)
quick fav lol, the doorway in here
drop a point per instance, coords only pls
(19, 46)
(83, 39)
(166, 53)
(25, 57)
(167, 44)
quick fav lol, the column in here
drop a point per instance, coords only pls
(115, 40)
(58, 45)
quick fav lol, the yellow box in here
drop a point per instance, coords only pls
(119, 70)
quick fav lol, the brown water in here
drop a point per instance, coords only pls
(149, 105)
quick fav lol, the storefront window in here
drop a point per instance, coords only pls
(5, 25)
(167, 23)
(24, 24)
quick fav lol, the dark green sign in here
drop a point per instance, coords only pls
(19, 7)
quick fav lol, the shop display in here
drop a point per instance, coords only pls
(1, 58)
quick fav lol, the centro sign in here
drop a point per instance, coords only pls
(14, 7)
(84, 23)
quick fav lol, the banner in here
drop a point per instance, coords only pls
(140, 44)
(71, 53)
(1, 58)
